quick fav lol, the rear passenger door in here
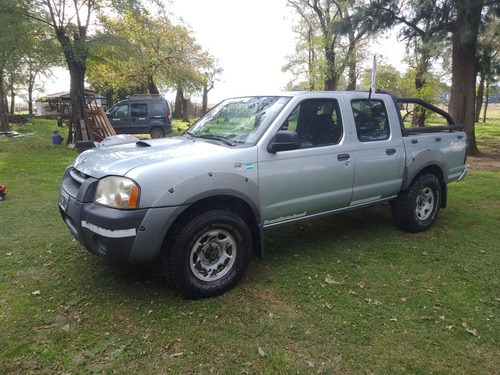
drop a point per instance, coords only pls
(139, 119)
(314, 178)
(379, 153)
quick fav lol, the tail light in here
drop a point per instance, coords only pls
(169, 118)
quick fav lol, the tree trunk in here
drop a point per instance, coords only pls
(152, 88)
(204, 106)
(464, 68)
(487, 99)
(12, 102)
(311, 60)
(330, 75)
(418, 118)
(479, 96)
(109, 98)
(179, 98)
(78, 101)
(30, 98)
(185, 110)
(76, 59)
(351, 63)
(31, 85)
(4, 126)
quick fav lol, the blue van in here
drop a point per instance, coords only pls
(141, 115)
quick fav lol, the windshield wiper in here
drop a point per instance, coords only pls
(216, 137)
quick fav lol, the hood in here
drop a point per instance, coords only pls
(119, 159)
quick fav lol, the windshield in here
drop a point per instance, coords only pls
(239, 120)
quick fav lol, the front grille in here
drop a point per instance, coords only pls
(79, 185)
(77, 175)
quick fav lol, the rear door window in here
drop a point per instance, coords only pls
(370, 117)
(139, 110)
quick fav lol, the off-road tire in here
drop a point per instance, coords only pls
(210, 254)
(416, 209)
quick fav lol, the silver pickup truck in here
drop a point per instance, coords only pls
(199, 203)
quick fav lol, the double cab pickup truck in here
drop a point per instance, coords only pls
(199, 202)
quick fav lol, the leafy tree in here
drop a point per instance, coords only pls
(211, 75)
(70, 22)
(461, 18)
(422, 29)
(41, 55)
(138, 51)
(318, 16)
(328, 43)
(306, 61)
(488, 59)
(13, 32)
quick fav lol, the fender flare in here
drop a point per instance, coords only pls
(185, 193)
(422, 160)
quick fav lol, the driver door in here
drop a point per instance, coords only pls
(318, 176)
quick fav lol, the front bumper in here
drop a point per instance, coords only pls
(132, 236)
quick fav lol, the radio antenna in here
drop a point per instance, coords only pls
(374, 77)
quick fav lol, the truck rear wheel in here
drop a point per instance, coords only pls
(416, 209)
(157, 133)
(209, 255)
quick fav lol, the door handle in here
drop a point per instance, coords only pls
(390, 151)
(343, 157)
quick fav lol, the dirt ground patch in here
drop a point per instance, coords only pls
(485, 161)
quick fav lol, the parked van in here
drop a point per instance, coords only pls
(141, 115)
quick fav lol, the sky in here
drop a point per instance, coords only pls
(251, 40)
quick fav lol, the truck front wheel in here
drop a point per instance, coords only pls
(416, 209)
(209, 255)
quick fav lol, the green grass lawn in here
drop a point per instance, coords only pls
(347, 294)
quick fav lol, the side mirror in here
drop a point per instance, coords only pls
(284, 140)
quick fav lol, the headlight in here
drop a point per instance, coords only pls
(117, 192)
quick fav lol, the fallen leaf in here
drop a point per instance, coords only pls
(429, 291)
(393, 319)
(329, 280)
(403, 299)
(449, 328)
(65, 328)
(369, 300)
(310, 364)
(464, 325)
(428, 318)
(261, 352)
(176, 354)
(328, 306)
(361, 284)
(473, 332)
(442, 317)
(352, 292)
(35, 293)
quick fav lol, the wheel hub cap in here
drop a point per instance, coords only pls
(213, 255)
(425, 203)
